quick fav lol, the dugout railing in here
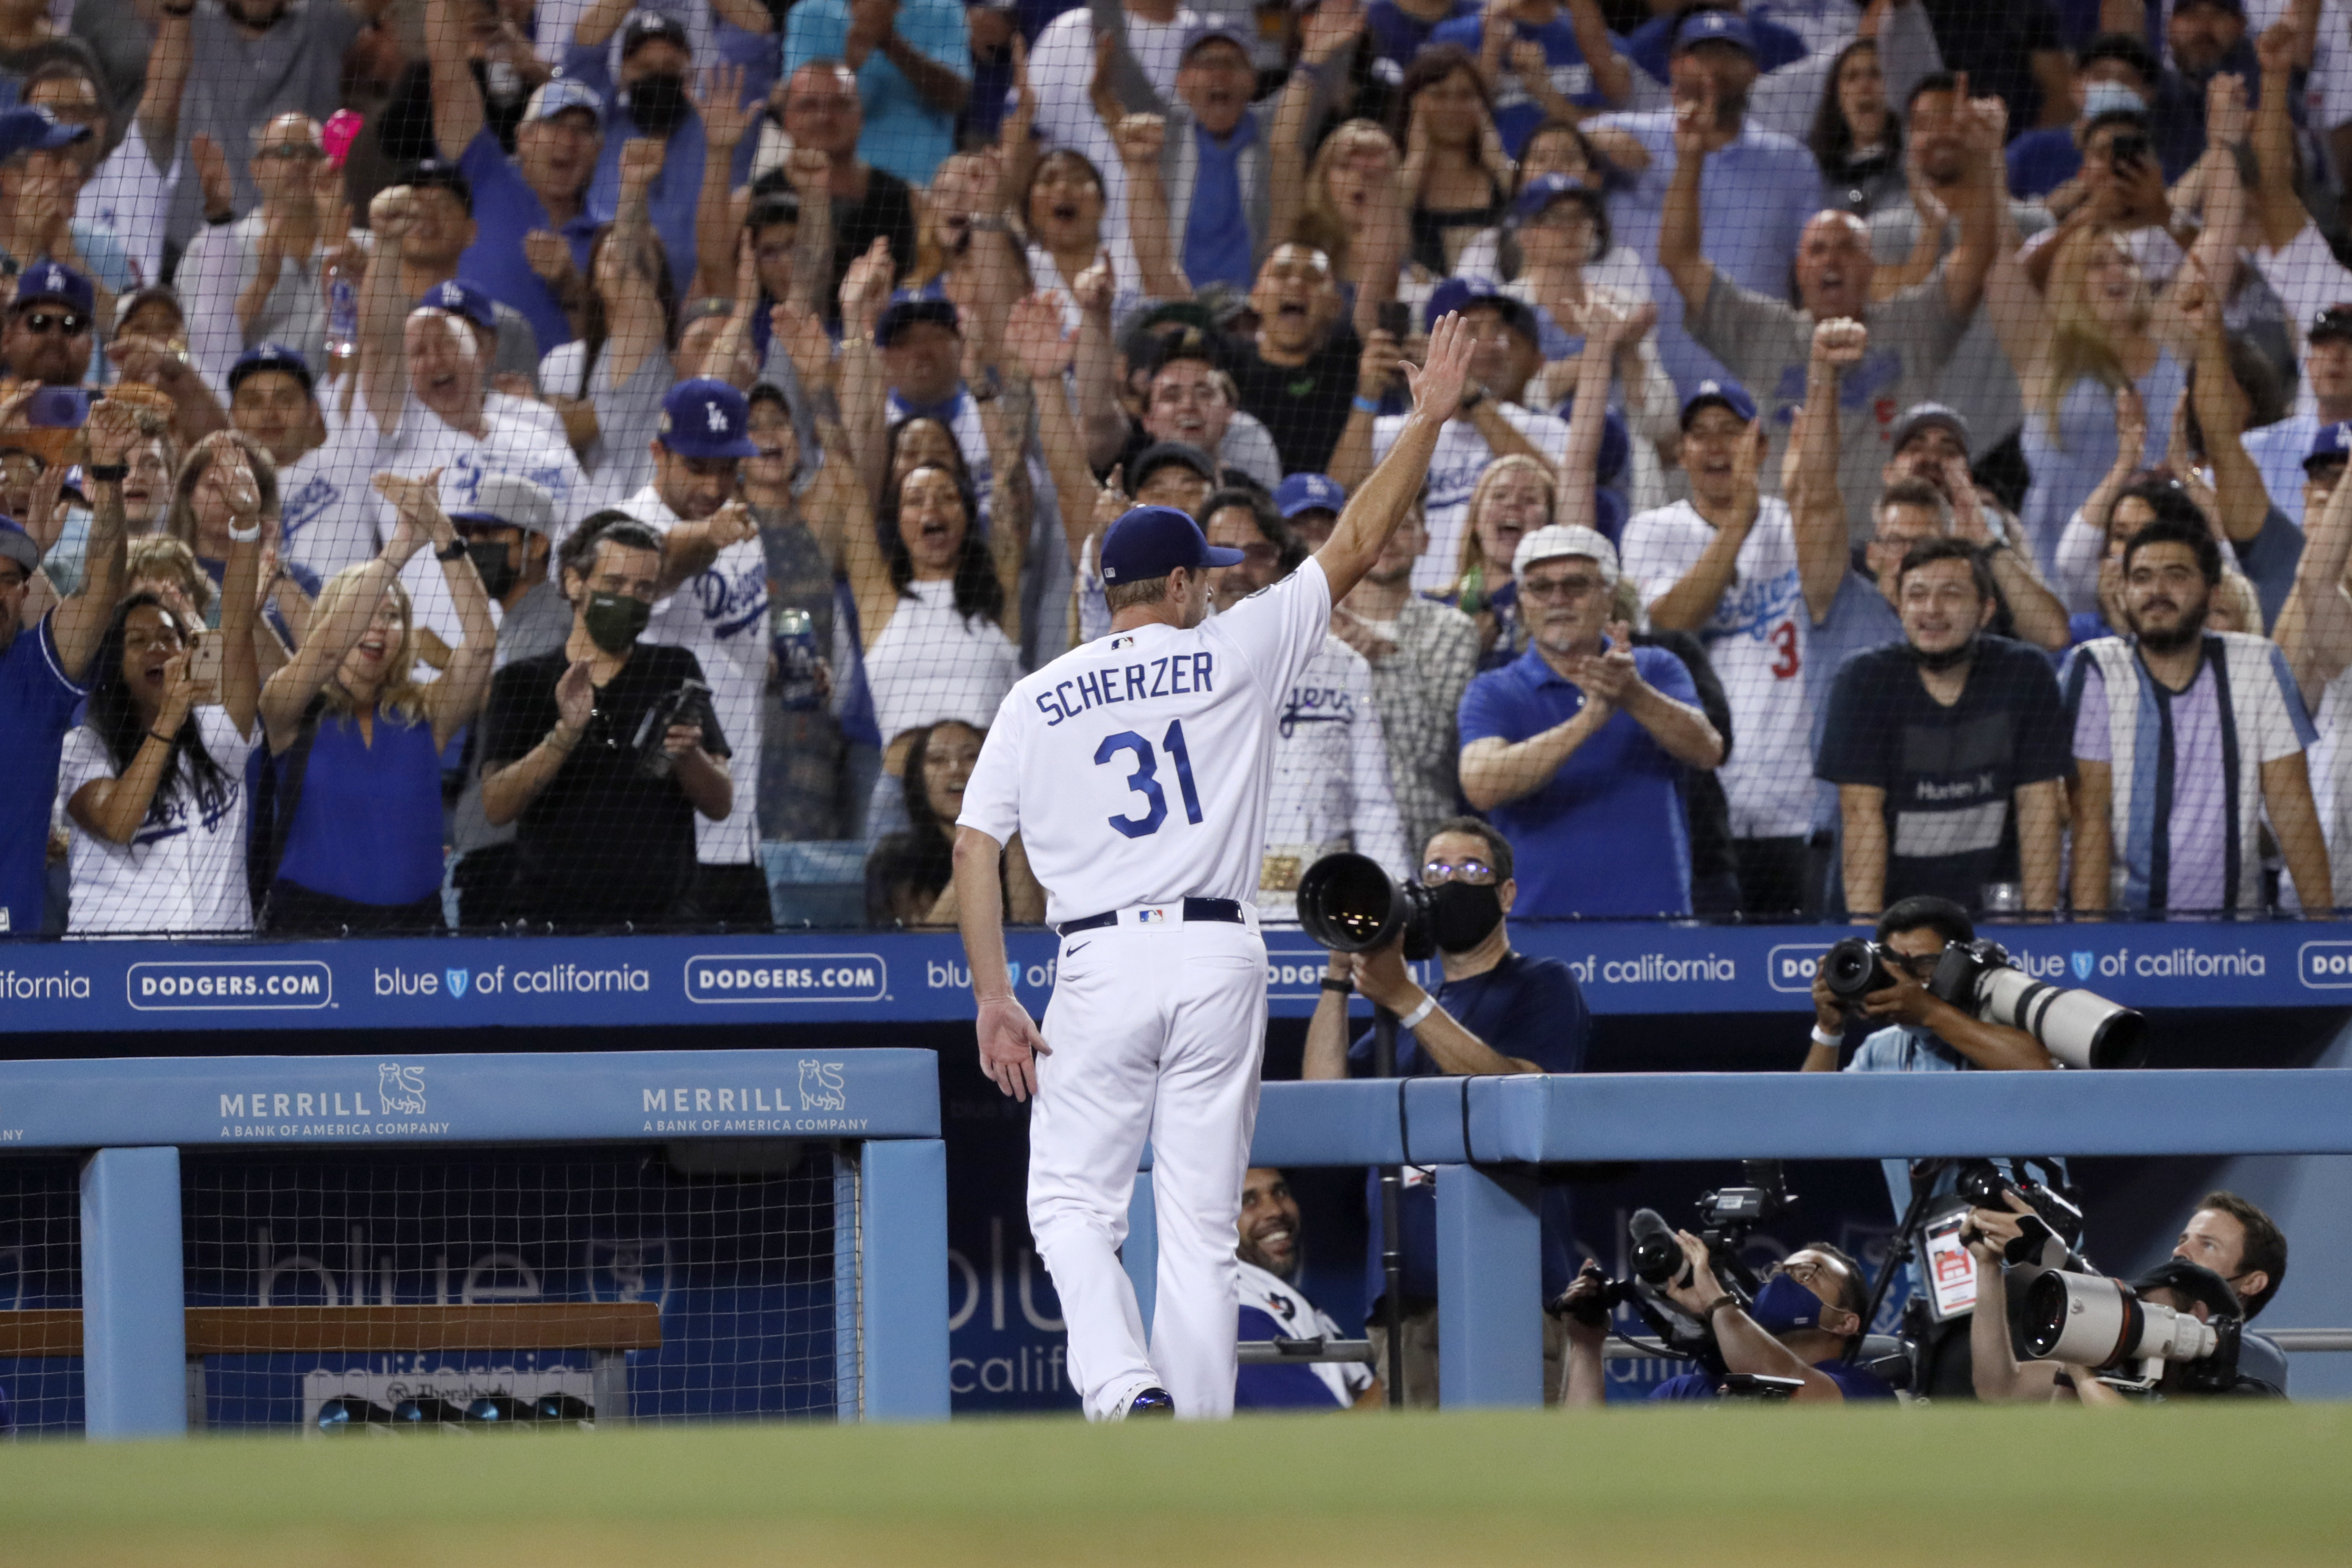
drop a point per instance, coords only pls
(130, 1122)
(1489, 1138)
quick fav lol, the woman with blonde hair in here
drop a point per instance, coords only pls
(1515, 496)
(1355, 214)
(348, 827)
(199, 518)
(2096, 329)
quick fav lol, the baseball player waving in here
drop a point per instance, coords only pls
(1136, 770)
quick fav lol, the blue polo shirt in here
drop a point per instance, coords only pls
(902, 133)
(1516, 114)
(1523, 1006)
(1606, 836)
(1217, 233)
(671, 199)
(505, 209)
(36, 707)
(1852, 1381)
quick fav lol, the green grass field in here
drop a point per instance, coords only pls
(1726, 1489)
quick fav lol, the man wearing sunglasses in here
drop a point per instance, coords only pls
(1497, 1011)
(49, 335)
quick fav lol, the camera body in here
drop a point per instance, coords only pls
(2056, 1220)
(688, 704)
(2079, 1028)
(1348, 904)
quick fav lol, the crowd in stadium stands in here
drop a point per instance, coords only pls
(467, 463)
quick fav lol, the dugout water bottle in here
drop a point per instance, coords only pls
(796, 657)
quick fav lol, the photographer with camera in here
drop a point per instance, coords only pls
(2239, 1241)
(1796, 1331)
(2181, 1316)
(606, 750)
(1920, 1031)
(1497, 1011)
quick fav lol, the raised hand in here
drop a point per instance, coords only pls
(1094, 289)
(808, 169)
(1747, 459)
(44, 520)
(575, 696)
(1697, 131)
(1039, 341)
(804, 339)
(391, 214)
(731, 524)
(2131, 427)
(865, 286)
(212, 174)
(718, 96)
(1111, 500)
(1436, 385)
(1793, 458)
(2225, 111)
(641, 160)
(2276, 46)
(1968, 520)
(179, 692)
(548, 253)
(240, 489)
(1609, 675)
(410, 498)
(1327, 28)
(111, 429)
(1140, 138)
(1840, 342)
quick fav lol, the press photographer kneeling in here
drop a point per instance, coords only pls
(1791, 1340)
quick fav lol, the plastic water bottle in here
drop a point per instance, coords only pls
(796, 657)
(342, 314)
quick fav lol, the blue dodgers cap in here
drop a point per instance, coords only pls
(272, 357)
(1463, 293)
(1545, 189)
(2329, 443)
(559, 93)
(55, 280)
(32, 129)
(907, 307)
(705, 418)
(1716, 28)
(17, 545)
(1308, 492)
(462, 298)
(1152, 541)
(1210, 29)
(1720, 394)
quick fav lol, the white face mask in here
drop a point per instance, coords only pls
(2101, 97)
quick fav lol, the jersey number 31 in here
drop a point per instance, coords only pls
(1145, 779)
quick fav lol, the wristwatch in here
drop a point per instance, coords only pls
(454, 550)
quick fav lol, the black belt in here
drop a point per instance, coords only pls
(1227, 910)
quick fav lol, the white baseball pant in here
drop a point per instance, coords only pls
(1156, 1032)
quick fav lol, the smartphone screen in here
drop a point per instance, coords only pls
(1393, 316)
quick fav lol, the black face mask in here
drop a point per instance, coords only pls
(656, 103)
(1949, 659)
(1467, 913)
(495, 563)
(614, 621)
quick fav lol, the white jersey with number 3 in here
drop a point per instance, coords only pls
(1135, 769)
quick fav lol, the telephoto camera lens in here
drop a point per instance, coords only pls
(426, 1412)
(1657, 1253)
(2088, 1320)
(562, 1407)
(1348, 904)
(1853, 969)
(499, 1410)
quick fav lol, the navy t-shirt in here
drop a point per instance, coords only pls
(1523, 1006)
(1853, 1381)
(2041, 160)
(1949, 773)
(36, 707)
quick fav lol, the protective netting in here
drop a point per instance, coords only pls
(737, 394)
(531, 1288)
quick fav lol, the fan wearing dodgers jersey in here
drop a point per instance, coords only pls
(1137, 770)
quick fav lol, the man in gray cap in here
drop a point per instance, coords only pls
(508, 528)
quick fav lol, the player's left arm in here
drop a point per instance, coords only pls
(1008, 1042)
(1379, 503)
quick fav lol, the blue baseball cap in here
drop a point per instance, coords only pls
(272, 357)
(1716, 28)
(1463, 293)
(907, 307)
(2329, 443)
(559, 93)
(17, 545)
(55, 280)
(1545, 189)
(1308, 492)
(1152, 541)
(461, 298)
(1723, 394)
(32, 128)
(1210, 29)
(705, 418)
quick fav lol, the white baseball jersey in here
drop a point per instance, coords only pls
(1759, 640)
(1331, 787)
(1296, 1317)
(1455, 468)
(721, 616)
(1135, 769)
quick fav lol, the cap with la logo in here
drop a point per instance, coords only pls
(706, 418)
(2329, 443)
(56, 282)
